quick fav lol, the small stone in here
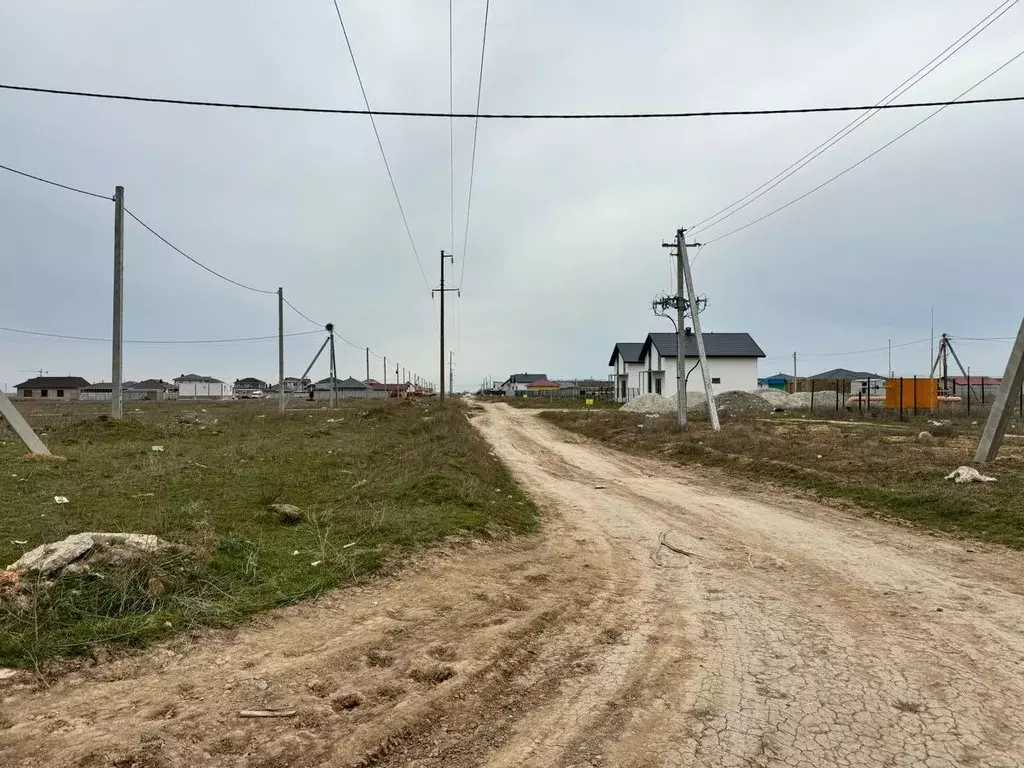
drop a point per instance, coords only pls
(938, 610)
(155, 587)
(924, 436)
(287, 514)
(345, 701)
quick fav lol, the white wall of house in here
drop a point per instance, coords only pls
(632, 372)
(727, 373)
(187, 389)
(511, 388)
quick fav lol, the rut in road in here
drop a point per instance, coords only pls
(791, 635)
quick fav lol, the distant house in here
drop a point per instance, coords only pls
(732, 360)
(518, 382)
(191, 386)
(345, 389)
(854, 382)
(543, 387)
(775, 381)
(52, 387)
(249, 387)
(626, 370)
(152, 389)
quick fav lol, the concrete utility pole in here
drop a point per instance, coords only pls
(680, 302)
(21, 427)
(334, 376)
(1002, 409)
(442, 290)
(451, 372)
(280, 347)
(118, 335)
(695, 316)
(385, 382)
(794, 373)
(367, 363)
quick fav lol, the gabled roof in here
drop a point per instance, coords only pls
(524, 378)
(250, 381)
(349, 383)
(777, 377)
(715, 345)
(542, 384)
(158, 384)
(54, 382)
(197, 378)
(629, 351)
(846, 373)
(99, 386)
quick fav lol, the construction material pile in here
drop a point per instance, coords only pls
(742, 402)
(650, 404)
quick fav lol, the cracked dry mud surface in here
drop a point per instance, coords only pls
(793, 635)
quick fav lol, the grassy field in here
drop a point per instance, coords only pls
(374, 480)
(875, 463)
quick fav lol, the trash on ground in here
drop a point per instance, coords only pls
(61, 499)
(968, 475)
(315, 563)
(157, 449)
(19, 542)
(267, 713)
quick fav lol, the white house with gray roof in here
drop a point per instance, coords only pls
(627, 369)
(732, 360)
(192, 386)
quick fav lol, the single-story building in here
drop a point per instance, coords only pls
(52, 387)
(345, 389)
(543, 387)
(152, 389)
(191, 385)
(249, 386)
(775, 381)
(518, 382)
(732, 360)
(626, 370)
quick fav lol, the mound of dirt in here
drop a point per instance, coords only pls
(650, 404)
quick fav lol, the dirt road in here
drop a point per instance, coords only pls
(789, 635)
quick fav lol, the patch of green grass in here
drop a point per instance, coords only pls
(374, 481)
(885, 470)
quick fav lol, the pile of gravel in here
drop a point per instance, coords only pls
(650, 404)
(742, 402)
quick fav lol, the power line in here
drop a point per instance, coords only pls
(476, 130)
(863, 351)
(506, 115)
(380, 144)
(301, 314)
(198, 263)
(738, 205)
(888, 144)
(53, 183)
(153, 341)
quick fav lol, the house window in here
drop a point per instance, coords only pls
(44, 393)
(657, 386)
(26, 393)
(60, 393)
(716, 379)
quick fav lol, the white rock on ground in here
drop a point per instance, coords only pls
(50, 558)
(968, 475)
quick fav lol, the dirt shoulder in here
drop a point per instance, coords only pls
(769, 631)
(882, 466)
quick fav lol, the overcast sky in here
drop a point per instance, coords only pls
(568, 218)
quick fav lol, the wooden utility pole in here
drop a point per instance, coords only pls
(117, 370)
(695, 316)
(442, 290)
(280, 347)
(1002, 409)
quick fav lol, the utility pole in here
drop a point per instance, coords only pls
(280, 346)
(794, 373)
(695, 316)
(367, 363)
(451, 372)
(333, 374)
(385, 382)
(118, 335)
(680, 303)
(1002, 409)
(442, 290)
(890, 358)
